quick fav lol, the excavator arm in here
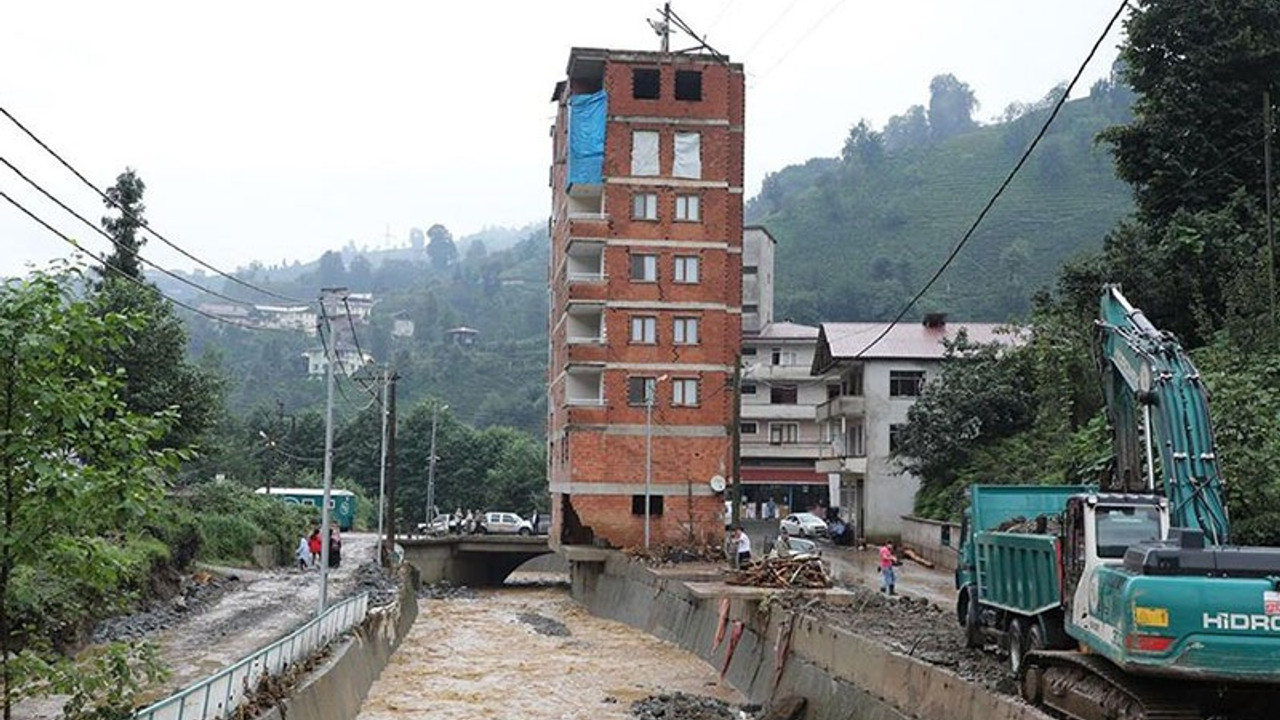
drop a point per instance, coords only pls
(1159, 409)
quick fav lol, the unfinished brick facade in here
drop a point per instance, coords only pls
(646, 294)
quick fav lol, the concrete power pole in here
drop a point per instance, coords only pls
(391, 463)
(384, 552)
(331, 355)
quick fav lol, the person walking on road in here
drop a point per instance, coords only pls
(743, 545)
(313, 544)
(887, 562)
(303, 553)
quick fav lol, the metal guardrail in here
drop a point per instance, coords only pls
(218, 695)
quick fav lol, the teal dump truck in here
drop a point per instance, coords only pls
(1128, 600)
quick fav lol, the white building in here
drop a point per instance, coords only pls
(287, 317)
(349, 360)
(780, 436)
(871, 387)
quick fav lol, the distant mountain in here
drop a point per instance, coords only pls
(858, 235)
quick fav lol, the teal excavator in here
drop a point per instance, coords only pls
(1128, 600)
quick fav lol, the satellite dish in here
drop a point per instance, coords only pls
(717, 483)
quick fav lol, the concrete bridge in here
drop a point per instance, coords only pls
(473, 560)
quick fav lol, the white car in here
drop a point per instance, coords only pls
(504, 523)
(804, 525)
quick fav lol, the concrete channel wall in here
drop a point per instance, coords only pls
(337, 688)
(844, 676)
(938, 542)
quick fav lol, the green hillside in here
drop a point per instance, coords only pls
(859, 234)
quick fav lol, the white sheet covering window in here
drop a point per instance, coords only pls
(688, 162)
(644, 152)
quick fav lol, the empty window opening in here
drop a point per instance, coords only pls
(645, 84)
(782, 395)
(688, 85)
(637, 505)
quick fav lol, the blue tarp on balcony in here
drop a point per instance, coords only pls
(586, 138)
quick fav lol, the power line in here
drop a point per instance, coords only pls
(141, 224)
(110, 239)
(1003, 185)
(72, 242)
(803, 36)
(770, 28)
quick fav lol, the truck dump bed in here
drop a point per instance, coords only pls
(1020, 572)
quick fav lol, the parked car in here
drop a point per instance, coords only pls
(504, 523)
(804, 525)
(439, 525)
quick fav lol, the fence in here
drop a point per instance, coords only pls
(217, 696)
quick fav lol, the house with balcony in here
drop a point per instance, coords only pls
(871, 382)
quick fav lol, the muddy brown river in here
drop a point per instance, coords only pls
(491, 657)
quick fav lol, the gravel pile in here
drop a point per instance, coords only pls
(914, 627)
(544, 625)
(682, 706)
(443, 590)
(382, 585)
(194, 594)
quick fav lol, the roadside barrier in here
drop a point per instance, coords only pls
(218, 695)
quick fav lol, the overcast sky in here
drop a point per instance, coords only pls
(276, 130)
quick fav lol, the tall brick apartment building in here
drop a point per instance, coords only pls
(646, 293)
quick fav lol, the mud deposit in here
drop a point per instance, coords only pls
(483, 657)
(681, 706)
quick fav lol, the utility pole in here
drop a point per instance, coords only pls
(431, 468)
(326, 295)
(736, 430)
(648, 459)
(384, 552)
(1271, 243)
(666, 27)
(391, 463)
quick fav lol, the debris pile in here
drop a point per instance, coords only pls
(677, 554)
(801, 571)
(544, 625)
(1038, 525)
(196, 592)
(382, 585)
(683, 706)
(444, 590)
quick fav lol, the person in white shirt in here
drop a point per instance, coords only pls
(743, 544)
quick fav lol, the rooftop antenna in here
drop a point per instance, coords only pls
(663, 27)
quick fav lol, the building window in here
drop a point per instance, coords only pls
(686, 268)
(748, 389)
(644, 152)
(685, 331)
(785, 433)
(688, 208)
(644, 330)
(655, 504)
(833, 391)
(689, 85)
(851, 383)
(779, 356)
(748, 428)
(644, 268)
(645, 83)
(748, 351)
(644, 206)
(750, 269)
(853, 440)
(688, 160)
(684, 391)
(895, 437)
(640, 390)
(782, 395)
(750, 309)
(906, 383)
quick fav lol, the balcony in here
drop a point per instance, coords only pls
(584, 386)
(841, 464)
(769, 411)
(843, 406)
(586, 215)
(760, 447)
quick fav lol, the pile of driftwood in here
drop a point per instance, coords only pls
(802, 571)
(676, 554)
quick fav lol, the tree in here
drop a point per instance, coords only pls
(864, 145)
(77, 480)
(441, 250)
(332, 272)
(951, 106)
(1199, 68)
(360, 274)
(157, 376)
(909, 129)
(125, 196)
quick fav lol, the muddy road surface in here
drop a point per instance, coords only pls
(531, 653)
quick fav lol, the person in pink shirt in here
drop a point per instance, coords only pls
(887, 562)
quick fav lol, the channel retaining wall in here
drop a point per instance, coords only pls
(337, 688)
(841, 674)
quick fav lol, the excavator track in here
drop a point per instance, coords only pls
(1088, 687)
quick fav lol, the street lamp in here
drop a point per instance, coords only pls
(648, 455)
(431, 468)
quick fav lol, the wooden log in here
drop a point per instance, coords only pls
(915, 557)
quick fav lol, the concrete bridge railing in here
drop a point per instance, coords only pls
(473, 560)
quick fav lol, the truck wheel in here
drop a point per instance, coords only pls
(971, 621)
(1035, 638)
(1017, 644)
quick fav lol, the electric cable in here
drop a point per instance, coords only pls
(141, 224)
(92, 226)
(964, 240)
(803, 36)
(74, 243)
